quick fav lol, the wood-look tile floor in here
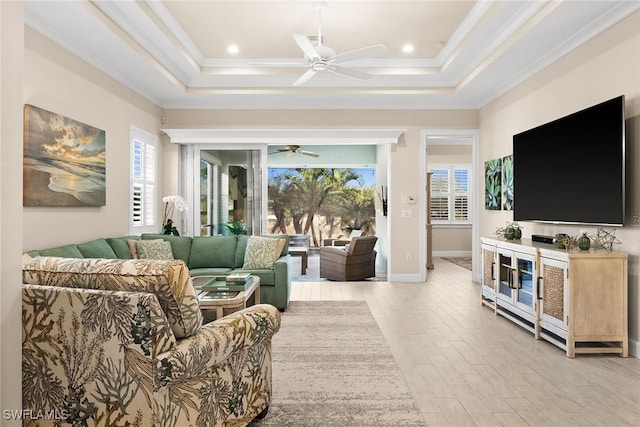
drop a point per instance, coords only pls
(467, 367)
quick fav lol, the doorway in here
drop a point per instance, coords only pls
(451, 157)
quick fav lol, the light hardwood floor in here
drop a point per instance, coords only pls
(467, 367)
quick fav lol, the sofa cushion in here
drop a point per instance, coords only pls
(120, 246)
(169, 280)
(98, 248)
(153, 249)
(240, 251)
(267, 277)
(67, 251)
(180, 245)
(217, 251)
(213, 271)
(262, 252)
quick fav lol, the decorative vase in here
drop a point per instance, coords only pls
(584, 242)
(518, 233)
(510, 233)
(559, 240)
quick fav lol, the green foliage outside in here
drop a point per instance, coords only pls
(321, 202)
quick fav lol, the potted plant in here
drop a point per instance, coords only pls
(235, 227)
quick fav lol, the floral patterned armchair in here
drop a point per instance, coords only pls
(121, 343)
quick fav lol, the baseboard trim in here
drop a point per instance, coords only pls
(634, 348)
(451, 254)
(408, 278)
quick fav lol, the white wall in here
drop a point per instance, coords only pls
(605, 67)
(11, 68)
(58, 81)
(382, 220)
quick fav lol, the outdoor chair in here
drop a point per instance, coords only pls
(356, 261)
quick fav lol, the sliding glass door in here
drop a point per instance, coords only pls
(225, 187)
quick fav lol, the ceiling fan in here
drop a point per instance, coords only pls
(323, 58)
(295, 149)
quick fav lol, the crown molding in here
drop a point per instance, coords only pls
(285, 136)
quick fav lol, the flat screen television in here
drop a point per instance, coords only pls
(572, 170)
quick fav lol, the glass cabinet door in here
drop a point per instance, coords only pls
(524, 285)
(505, 277)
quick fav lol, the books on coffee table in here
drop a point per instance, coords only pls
(236, 278)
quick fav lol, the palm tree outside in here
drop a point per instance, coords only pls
(321, 202)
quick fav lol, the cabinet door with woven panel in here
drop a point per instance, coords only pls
(554, 296)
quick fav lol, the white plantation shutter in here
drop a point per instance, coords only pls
(461, 194)
(136, 206)
(440, 195)
(450, 193)
(143, 182)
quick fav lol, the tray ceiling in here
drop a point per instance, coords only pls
(467, 53)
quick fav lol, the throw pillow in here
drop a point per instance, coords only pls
(153, 249)
(132, 248)
(261, 252)
(26, 258)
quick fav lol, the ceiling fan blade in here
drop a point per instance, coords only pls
(349, 72)
(306, 46)
(305, 77)
(365, 52)
(309, 153)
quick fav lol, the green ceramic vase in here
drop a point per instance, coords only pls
(510, 233)
(584, 242)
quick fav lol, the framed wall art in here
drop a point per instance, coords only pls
(507, 183)
(493, 184)
(64, 161)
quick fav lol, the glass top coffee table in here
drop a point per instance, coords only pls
(217, 298)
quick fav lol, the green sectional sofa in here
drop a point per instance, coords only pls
(205, 256)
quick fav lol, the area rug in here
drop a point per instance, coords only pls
(333, 367)
(463, 261)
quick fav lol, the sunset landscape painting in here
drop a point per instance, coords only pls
(64, 161)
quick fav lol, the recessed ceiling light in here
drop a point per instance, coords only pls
(407, 48)
(233, 49)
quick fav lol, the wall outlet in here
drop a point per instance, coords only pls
(407, 213)
(635, 219)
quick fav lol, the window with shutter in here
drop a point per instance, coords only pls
(450, 193)
(143, 182)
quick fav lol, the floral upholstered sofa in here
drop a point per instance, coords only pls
(121, 342)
